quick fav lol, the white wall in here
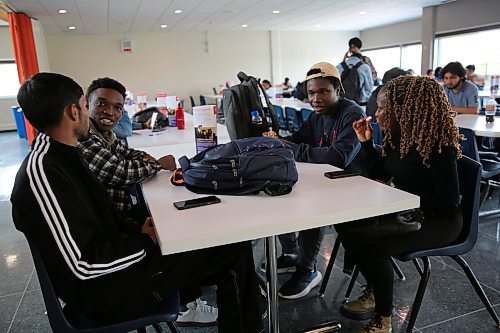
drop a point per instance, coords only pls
(175, 63)
(302, 49)
(391, 35)
(6, 52)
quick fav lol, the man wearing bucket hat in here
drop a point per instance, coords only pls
(325, 137)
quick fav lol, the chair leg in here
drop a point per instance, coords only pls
(157, 328)
(329, 267)
(477, 287)
(420, 294)
(397, 269)
(173, 328)
(354, 276)
(417, 266)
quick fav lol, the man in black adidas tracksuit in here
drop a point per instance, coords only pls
(99, 264)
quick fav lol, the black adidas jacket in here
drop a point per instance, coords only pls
(96, 263)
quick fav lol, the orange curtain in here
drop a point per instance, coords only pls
(21, 33)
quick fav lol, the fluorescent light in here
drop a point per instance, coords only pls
(72, 28)
(244, 25)
(317, 25)
(62, 11)
(276, 11)
(362, 12)
(177, 11)
(163, 26)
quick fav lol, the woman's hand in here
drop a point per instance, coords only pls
(363, 129)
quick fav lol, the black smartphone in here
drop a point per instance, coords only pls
(203, 201)
(341, 174)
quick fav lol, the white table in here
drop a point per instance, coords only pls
(314, 202)
(292, 103)
(477, 123)
(172, 135)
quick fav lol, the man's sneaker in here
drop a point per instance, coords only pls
(362, 308)
(300, 284)
(377, 324)
(198, 314)
(286, 263)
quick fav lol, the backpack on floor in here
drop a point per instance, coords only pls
(350, 81)
(237, 104)
(240, 167)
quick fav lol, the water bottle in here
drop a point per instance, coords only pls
(179, 117)
(256, 118)
(491, 108)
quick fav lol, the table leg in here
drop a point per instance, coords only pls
(272, 285)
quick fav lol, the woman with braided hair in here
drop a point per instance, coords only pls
(419, 154)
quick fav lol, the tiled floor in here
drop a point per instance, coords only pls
(450, 304)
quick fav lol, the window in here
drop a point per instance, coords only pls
(480, 48)
(384, 59)
(9, 81)
(405, 57)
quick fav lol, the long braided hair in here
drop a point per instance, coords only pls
(421, 109)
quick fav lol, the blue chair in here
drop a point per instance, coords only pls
(66, 320)
(378, 136)
(281, 117)
(488, 160)
(192, 101)
(469, 175)
(203, 100)
(292, 119)
(305, 113)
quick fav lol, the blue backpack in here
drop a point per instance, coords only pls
(240, 167)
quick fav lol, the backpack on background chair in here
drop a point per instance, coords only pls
(245, 166)
(350, 81)
(237, 104)
(144, 115)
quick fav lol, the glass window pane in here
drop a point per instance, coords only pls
(411, 57)
(384, 59)
(9, 81)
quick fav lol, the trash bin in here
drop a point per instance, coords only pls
(19, 118)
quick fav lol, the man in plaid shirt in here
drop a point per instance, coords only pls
(115, 165)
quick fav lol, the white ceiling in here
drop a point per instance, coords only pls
(133, 16)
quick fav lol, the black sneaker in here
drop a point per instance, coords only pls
(300, 284)
(286, 264)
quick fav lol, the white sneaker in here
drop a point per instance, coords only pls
(198, 314)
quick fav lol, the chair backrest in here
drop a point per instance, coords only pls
(293, 120)
(281, 117)
(469, 145)
(378, 136)
(192, 101)
(203, 100)
(305, 113)
(469, 178)
(57, 319)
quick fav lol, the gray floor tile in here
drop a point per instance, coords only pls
(31, 315)
(8, 306)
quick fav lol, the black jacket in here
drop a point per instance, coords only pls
(329, 138)
(95, 261)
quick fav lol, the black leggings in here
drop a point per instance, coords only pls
(373, 255)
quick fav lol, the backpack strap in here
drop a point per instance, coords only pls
(358, 64)
(184, 162)
(344, 66)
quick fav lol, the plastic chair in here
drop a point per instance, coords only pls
(281, 117)
(68, 321)
(192, 101)
(305, 113)
(292, 119)
(489, 161)
(469, 173)
(203, 100)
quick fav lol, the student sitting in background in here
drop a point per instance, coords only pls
(371, 105)
(462, 94)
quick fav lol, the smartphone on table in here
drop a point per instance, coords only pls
(341, 174)
(198, 202)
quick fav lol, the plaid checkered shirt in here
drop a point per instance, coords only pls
(116, 166)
